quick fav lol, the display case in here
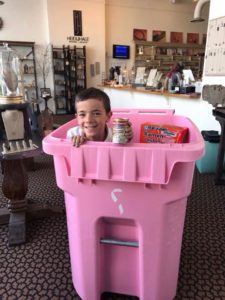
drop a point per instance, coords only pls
(26, 54)
(28, 80)
(162, 56)
(69, 65)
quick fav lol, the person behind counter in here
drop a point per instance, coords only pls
(175, 77)
(93, 111)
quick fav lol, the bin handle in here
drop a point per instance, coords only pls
(145, 111)
(119, 242)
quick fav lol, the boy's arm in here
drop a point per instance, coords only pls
(76, 135)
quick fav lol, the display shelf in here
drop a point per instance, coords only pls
(69, 76)
(26, 53)
(164, 55)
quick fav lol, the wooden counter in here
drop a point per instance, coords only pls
(153, 92)
(188, 105)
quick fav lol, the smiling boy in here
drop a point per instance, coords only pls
(93, 111)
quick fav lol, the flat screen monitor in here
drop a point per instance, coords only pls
(121, 51)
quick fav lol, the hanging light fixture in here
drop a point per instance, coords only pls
(198, 10)
(2, 2)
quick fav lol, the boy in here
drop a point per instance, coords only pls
(93, 111)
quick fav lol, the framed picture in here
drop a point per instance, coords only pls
(140, 34)
(158, 36)
(45, 93)
(176, 37)
(77, 22)
(192, 38)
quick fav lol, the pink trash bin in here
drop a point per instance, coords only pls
(125, 207)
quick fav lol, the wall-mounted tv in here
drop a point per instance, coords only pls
(121, 51)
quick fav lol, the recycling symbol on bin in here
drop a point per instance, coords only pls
(114, 198)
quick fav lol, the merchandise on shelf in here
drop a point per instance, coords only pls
(69, 76)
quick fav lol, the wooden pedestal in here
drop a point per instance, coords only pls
(15, 187)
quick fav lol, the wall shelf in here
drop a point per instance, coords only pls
(163, 56)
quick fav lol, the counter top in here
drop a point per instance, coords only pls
(188, 105)
(156, 92)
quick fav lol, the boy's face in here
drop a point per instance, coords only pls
(92, 117)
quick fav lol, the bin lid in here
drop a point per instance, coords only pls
(211, 136)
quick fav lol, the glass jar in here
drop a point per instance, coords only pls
(119, 128)
(9, 73)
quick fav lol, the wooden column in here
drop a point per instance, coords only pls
(14, 187)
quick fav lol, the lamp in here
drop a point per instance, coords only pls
(198, 9)
(2, 2)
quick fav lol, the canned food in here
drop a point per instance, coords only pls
(119, 128)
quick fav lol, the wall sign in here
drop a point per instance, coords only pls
(78, 39)
(77, 22)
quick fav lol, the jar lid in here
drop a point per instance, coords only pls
(120, 120)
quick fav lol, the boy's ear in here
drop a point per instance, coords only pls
(109, 115)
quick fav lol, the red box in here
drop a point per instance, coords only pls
(162, 133)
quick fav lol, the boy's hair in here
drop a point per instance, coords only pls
(93, 93)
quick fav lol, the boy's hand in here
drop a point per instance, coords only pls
(77, 140)
(129, 132)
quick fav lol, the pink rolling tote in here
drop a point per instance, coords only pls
(125, 207)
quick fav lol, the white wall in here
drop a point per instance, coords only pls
(123, 16)
(24, 20)
(60, 15)
(44, 21)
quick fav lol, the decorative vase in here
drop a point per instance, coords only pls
(9, 71)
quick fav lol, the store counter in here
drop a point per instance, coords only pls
(151, 92)
(189, 105)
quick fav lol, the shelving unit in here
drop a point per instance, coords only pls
(69, 76)
(162, 56)
(26, 54)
